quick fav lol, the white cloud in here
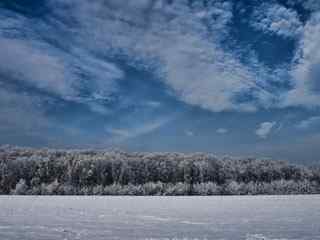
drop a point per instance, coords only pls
(305, 124)
(277, 19)
(222, 130)
(152, 104)
(168, 39)
(265, 129)
(189, 58)
(48, 69)
(26, 56)
(20, 59)
(187, 55)
(189, 133)
(119, 135)
(305, 71)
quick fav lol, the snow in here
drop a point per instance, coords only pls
(160, 218)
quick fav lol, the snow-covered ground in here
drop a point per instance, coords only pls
(160, 218)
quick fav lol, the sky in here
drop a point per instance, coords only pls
(230, 77)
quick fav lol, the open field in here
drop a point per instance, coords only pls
(157, 218)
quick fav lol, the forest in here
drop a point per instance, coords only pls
(28, 171)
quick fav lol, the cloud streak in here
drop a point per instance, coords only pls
(88, 55)
(305, 73)
(120, 135)
(307, 123)
(173, 41)
(265, 129)
(181, 44)
(32, 53)
(222, 130)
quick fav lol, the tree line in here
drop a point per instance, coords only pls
(92, 172)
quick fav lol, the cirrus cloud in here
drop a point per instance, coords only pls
(182, 43)
(264, 129)
(305, 70)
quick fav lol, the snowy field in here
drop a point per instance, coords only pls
(160, 218)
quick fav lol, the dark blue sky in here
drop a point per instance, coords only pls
(233, 77)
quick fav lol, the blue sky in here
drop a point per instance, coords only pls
(234, 77)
